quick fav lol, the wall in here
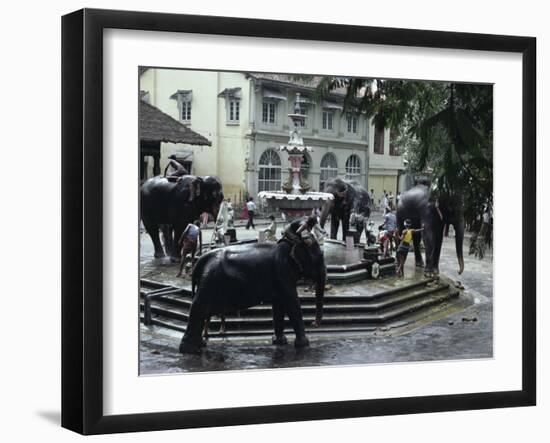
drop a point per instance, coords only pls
(337, 141)
(383, 168)
(225, 158)
(231, 143)
(30, 370)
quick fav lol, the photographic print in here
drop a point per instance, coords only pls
(312, 209)
(292, 221)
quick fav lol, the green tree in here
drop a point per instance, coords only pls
(444, 128)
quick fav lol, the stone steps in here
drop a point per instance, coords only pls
(342, 313)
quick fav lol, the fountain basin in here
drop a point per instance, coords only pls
(294, 205)
(348, 265)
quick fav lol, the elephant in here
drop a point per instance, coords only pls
(433, 215)
(349, 197)
(234, 278)
(172, 205)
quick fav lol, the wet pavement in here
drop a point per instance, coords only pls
(464, 334)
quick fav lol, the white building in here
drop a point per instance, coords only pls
(244, 115)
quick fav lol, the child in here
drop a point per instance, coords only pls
(384, 242)
(188, 243)
(404, 246)
(271, 230)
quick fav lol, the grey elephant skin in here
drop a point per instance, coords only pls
(237, 277)
(167, 205)
(349, 196)
(432, 214)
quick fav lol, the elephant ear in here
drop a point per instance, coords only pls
(308, 238)
(199, 185)
(342, 193)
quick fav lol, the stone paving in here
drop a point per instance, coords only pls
(464, 334)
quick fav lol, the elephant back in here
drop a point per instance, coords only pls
(156, 196)
(414, 205)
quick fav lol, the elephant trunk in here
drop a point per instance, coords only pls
(320, 282)
(459, 238)
(216, 210)
(327, 208)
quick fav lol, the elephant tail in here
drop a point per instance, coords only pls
(195, 277)
(197, 272)
(193, 285)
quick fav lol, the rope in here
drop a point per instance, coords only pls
(294, 241)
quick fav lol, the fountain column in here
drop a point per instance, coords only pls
(295, 199)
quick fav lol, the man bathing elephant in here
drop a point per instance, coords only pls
(177, 169)
(237, 277)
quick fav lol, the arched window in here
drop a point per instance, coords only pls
(269, 177)
(329, 169)
(353, 167)
(306, 164)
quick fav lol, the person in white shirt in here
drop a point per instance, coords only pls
(390, 200)
(251, 207)
(371, 195)
(230, 214)
(384, 203)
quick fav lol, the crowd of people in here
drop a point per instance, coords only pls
(387, 200)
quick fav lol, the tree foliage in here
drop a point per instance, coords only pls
(444, 129)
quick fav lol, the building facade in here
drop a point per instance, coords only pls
(245, 117)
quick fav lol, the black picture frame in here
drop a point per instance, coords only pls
(82, 218)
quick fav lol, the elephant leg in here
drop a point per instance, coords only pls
(153, 231)
(417, 237)
(345, 226)
(429, 244)
(175, 253)
(167, 236)
(437, 250)
(296, 320)
(205, 331)
(360, 230)
(279, 325)
(334, 224)
(191, 341)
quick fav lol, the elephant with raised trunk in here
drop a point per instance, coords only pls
(349, 197)
(433, 215)
(237, 277)
(171, 205)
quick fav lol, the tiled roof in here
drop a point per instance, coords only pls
(155, 125)
(304, 81)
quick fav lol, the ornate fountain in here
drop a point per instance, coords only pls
(295, 199)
